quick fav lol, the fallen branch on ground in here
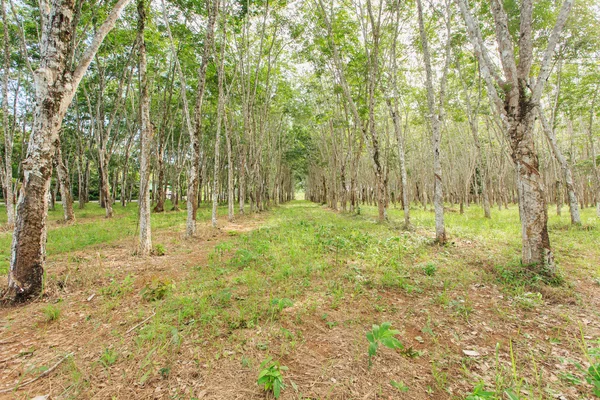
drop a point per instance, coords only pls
(141, 323)
(46, 372)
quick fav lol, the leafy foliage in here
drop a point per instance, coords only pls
(157, 289)
(270, 376)
(382, 334)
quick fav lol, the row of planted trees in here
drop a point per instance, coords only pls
(187, 101)
(456, 102)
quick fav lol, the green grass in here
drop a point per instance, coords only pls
(265, 289)
(92, 228)
(304, 254)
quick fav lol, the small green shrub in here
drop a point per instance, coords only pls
(430, 269)
(593, 378)
(462, 308)
(592, 374)
(270, 376)
(159, 250)
(117, 289)
(529, 300)
(108, 357)
(51, 312)
(399, 385)
(382, 335)
(277, 305)
(157, 289)
(479, 393)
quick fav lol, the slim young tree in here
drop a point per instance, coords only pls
(8, 132)
(435, 116)
(145, 245)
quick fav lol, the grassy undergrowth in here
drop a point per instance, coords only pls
(92, 228)
(317, 264)
(307, 274)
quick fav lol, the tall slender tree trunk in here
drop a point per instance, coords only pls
(105, 197)
(64, 182)
(230, 170)
(160, 192)
(220, 115)
(434, 117)
(593, 153)
(145, 243)
(566, 170)
(8, 132)
(194, 183)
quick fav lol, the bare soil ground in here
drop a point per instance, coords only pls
(477, 332)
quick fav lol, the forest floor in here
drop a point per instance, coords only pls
(303, 284)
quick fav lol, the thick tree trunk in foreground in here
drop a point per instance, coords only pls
(145, 244)
(55, 87)
(532, 199)
(518, 106)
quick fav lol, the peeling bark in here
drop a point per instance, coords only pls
(55, 87)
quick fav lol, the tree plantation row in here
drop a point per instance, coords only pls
(244, 102)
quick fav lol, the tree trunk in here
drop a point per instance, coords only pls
(566, 169)
(64, 182)
(434, 115)
(55, 87)
(160, 192)
(145, 244)
(517, 105)
(7, 131)
(230, 169)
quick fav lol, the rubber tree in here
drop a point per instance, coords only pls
(515, 94)
(145, 244)
(55, 85)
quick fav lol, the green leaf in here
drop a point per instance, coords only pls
(399, 385)
(511, 394)
(372, 349)
(391, 343)
(276, 388)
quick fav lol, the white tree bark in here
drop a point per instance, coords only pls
(565, 167)
(220, 112)
(64, 182)
(7, 131)
(146, 133)
(518, 110)
(55, 87)
(435, 121)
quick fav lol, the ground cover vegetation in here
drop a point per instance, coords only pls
(154, 155)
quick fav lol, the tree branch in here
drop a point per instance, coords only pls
(549, 53)
(91, 51)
